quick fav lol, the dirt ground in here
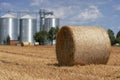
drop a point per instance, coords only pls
(39, 63)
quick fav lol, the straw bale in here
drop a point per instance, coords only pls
(82, 45)
(36, 44)
(25, 44)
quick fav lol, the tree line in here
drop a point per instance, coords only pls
(43, 36)
(114, 39)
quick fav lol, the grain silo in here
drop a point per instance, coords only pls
(8, 27)
(27, 28)
(51, 21)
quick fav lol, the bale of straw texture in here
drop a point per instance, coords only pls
(36, 44)
(25, 44)
(82, 45)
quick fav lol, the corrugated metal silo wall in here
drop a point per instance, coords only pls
(57, 22)
(51, 22)
(8, 27)
(27, 30)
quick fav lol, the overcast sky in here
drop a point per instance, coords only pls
(105, 13)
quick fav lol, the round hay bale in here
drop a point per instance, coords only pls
(25, 44)
(36, 44)
(82, 45)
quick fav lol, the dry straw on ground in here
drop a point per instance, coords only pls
(82, 45)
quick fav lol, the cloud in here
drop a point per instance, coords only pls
(90, 13)
(117, 7)
(102, 2)
(62, 12)
(37, 2)
(115, 28)
(6, 6)
(74, 15)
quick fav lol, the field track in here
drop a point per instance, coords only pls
(39, 63)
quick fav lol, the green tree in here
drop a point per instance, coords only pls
(118, 34)
(4, 41)
(111, 36)
(57, 29)
(8, 40)
(118, 37)
(52, 34)
(41, 37)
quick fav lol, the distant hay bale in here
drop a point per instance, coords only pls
(36, 44)
(18, 44)
(31, 44)
(25, 44)
(82, 45)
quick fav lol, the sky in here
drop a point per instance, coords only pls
(103, 13)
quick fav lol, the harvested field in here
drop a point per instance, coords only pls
(39, 63)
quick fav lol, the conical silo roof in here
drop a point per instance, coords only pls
(27, 17)
(8, 15)
(51, 16)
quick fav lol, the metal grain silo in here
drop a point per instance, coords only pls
(8, 27)
(51, 21)
(27, 28)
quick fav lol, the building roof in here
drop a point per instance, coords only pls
(51, 16)
(8, 15)
(27, 17)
